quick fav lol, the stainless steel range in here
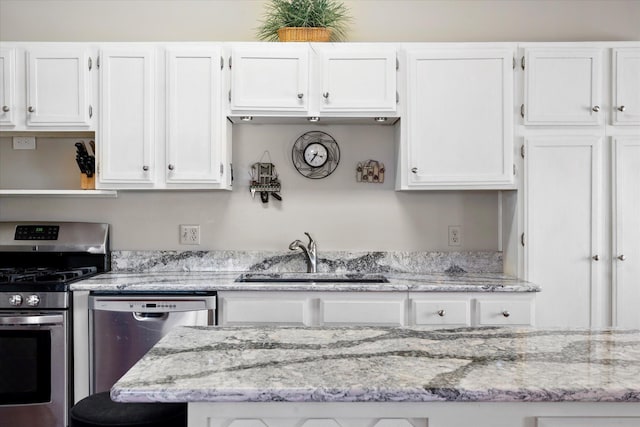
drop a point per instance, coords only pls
(38, 262)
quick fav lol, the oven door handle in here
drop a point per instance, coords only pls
(46, 319)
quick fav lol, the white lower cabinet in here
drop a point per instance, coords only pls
(587, 422)
(429, 311)
(323, 422)
(363, 309)
(304, 308)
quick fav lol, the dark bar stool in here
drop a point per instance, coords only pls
(98, 410)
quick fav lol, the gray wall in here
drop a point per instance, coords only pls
(340, 213)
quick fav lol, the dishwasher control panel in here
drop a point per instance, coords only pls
(152, 304)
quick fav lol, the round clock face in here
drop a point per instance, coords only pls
(315, 155)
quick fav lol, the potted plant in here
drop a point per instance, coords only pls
(304, 20)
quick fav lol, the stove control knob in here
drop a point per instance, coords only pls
(15, 300)
(33, 300)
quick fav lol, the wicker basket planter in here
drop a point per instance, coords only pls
(304, 34)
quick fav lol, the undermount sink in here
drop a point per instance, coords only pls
(311, 278)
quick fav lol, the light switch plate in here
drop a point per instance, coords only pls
(189, 234)
(24, 142)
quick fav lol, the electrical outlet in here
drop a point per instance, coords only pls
(455, 235)
(189, 234)
(24, 142)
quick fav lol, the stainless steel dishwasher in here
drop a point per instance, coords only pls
(123, 327)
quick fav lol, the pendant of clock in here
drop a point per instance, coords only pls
(315, 155)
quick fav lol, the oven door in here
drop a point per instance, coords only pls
(33, 369)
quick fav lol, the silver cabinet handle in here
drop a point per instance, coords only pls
(595, 108)
(441, 313)
(325, 95)
(506, 313)
(145, 168)
(300, 95)
(171, 167)
(622, 257)
(5, 108)
(31, 110)
(414, 170)
(622, 108)
(596, 257)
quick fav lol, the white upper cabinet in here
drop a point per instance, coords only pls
(193, 115)
(126, 138)
(7, 86)
(161, 125)
(46, 87)
(58, 86)
(563, 86)
(458, 130)
(313, 80)
(270, 78)
(357, 79)
(626, 86)
(626, 232)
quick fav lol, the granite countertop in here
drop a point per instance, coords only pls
(169, 281)
(357, 364)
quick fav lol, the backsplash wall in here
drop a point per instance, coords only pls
(340, 213)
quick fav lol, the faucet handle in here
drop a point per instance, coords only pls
(311, 241)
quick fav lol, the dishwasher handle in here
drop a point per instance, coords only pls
(150, 316)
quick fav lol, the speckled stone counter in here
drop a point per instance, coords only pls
(168, 281)
(200, 364)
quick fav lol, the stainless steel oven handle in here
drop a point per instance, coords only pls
(46, 319)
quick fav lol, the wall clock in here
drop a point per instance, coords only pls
(315, 155)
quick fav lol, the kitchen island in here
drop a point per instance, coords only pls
(366, 376)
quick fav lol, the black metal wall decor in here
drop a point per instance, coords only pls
(315, 155)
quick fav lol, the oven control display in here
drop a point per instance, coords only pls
(37, 232)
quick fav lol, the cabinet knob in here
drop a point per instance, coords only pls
(5, 108)
(596, 257)
(622, 108)
(441, 313)
(595, 108)
(622, 257)
(300, 95)
(414, 170)
(506, 313)
(325, 95)
(145, 168)
(171, 167)
(31, 110)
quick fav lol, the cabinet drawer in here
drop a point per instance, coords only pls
(252, 311)
(363, 312)
(430, 312)
(502, 312)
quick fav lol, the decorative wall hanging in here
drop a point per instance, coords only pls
(264, 180)
(315, 155)
(370, 171)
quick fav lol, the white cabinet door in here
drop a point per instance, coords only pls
(626, 86)
(7, 86)
(127, 117)
(433, 312)
(364, 309)
(561, 227)
(460, 118)
(193, 116)
(58, 86)
(626, 232)
(266, 308)
(275, 77)
(562, 86)
(504, 312)
(358, 80)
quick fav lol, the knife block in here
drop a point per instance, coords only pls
(87, 182)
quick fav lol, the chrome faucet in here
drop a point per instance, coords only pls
(310, 252)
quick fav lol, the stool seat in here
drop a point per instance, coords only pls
(98, 410)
